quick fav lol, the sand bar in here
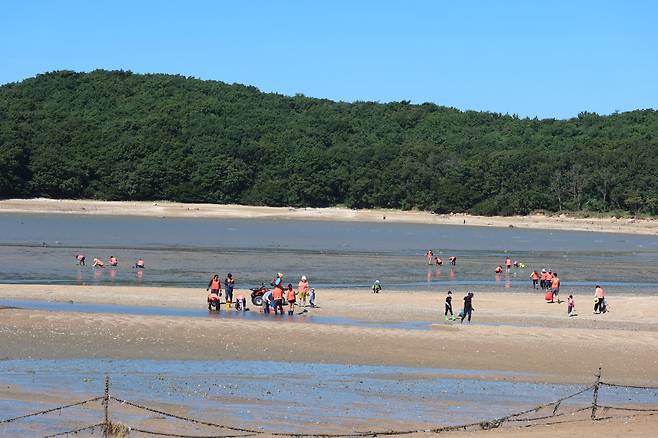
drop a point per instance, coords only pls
(181, 210)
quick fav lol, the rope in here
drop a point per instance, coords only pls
(180, 417)
(82, 429)
(152, 432)
(47, 411)
(628, 409)
(616, 385)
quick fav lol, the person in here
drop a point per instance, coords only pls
(448, 307)
(438, 261)
(430, 255)
(229, 284)
(278, 280)
(453, 260)
(215, 288)
(277, 296)
(98, 263)
(81, 259)
(499, 269)
(376, 287)
(508, 264)
(303, 290)
(267, 301)
(241, 303)
(571, 306)
(599, 300)
(291, 297)
(542, 279)
(555, 286)
(113, 261)
(311, 298)
(468, 307)
(139, 264)
(535, 279)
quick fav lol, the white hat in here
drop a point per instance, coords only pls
(376, 281)
(303, 277)
(543, 270)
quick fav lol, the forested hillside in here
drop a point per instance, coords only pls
(122, 136)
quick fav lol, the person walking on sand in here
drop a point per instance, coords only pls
(571, 306)
(376, 287)
(302, 287)
(448, 307)
(229, 285)
(542, 279)
(291, 297)
(468, 307)
(508, 264)
(81, 259)
(599, 300)
(535, 279)
(311, 297)
(555, 286)
(430, 256)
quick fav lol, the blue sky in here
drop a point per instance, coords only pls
(531, 58)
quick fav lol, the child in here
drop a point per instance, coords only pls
(571, 306)
(448, 307)
(311, 298)
(376, 287)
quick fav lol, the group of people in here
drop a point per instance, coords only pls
(431, 259)
(508, 265)
(111, 261)
(273, 299)
(466, 311)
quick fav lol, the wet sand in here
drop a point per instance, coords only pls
(510, 332)
(172, 209)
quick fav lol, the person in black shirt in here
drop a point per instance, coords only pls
(468, 307)
(449, 307)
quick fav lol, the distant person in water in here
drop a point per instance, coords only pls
(468, 307)
(508, 264)
(448, 307)
(376, 287)
(311, 297)
(81, 259)
(430, 255)
(498, 269)
(98, 263)
(438, 261)
(113, 261)
(139, 264)
(453, 260)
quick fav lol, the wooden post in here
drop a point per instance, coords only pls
(596, 394)
(106, 405)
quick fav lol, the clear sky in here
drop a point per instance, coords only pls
(531, 58)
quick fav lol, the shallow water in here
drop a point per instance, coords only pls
(40, 249)
(272, 395)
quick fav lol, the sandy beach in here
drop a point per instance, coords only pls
(513, 337)
(180, 210)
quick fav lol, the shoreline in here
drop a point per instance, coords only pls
(166, 209)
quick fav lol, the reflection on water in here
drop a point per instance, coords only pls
(41, 249)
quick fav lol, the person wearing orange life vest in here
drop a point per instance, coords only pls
(277, 296)
(113, 261)
(508, 264)
(555, 286)
(98, 263)
(215, 287)
(291, 297)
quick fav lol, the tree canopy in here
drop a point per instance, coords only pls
(116, 135)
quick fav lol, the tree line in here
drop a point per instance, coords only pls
(116, 135)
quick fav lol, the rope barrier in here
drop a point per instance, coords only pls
(47, 411)
(180, 417)
(155, 433)
(82, 429)
(617, 385)
(618, 408)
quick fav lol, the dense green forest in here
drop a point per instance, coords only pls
(116, 135)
